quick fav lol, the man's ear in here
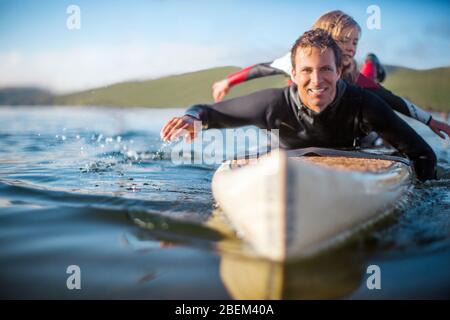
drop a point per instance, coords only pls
(293, 73)
(339, 72)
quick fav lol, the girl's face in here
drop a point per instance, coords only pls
(348, 41)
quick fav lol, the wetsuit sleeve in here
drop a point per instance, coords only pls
(276, 67)
(377, 116)
(253, 109)
(402, 105)
(397, 103)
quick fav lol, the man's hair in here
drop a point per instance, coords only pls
(317, 38)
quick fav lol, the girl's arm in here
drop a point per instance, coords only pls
(279, 66)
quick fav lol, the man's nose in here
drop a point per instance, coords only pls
(316, 77)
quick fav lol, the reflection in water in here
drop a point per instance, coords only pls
(336, 273)
(331, 275)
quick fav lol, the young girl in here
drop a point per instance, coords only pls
(346, 32)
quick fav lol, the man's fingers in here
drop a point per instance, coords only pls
(177, 127)
(166, 130)
(445, 128)
(179, 131)
(440, 128)
(169, 128)
(170, 133)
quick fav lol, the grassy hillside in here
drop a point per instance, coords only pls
(174, 91)
(429, 89)
(25, 96)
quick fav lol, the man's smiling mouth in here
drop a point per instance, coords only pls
(316, 90)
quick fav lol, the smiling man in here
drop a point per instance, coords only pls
(319, 110)
(315, 70)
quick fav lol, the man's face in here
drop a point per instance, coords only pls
(316, 75)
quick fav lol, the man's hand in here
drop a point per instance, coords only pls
(179, 126)
(438, 127)
(220, 89)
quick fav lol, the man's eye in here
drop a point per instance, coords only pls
(306, 70)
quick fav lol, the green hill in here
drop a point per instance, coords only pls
(173, 91)
(429, 89)
(25, 96)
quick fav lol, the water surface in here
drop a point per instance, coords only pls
(95, 187)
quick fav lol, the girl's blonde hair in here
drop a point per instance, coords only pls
(334, 23)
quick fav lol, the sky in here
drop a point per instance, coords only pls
(137, 39)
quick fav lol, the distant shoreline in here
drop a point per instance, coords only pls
(426, 88)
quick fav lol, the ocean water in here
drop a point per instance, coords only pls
(96, 188)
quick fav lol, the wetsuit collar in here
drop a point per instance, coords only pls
(341, 85)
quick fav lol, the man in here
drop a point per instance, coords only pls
(319, 110)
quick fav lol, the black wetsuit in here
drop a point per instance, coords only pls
(353, 113)
(282, 66)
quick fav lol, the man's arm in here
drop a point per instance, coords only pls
(379, 117)
(253, 109)
(404, 106)
(411, 110)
